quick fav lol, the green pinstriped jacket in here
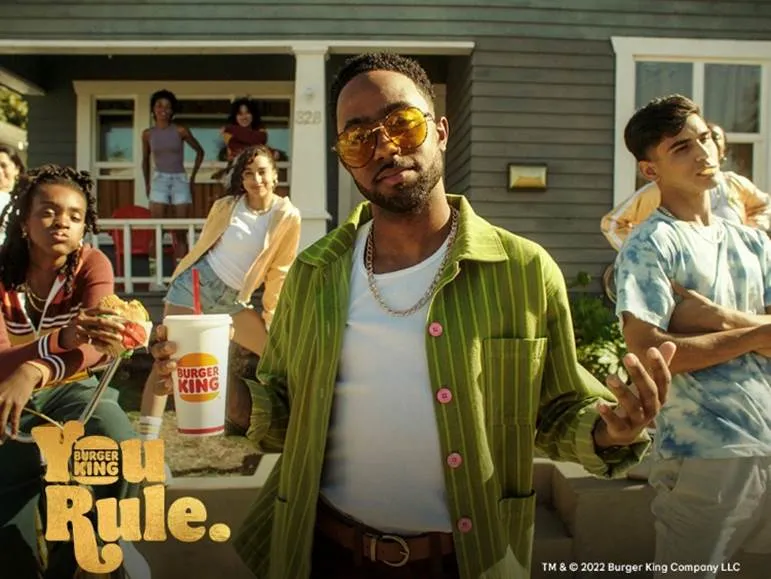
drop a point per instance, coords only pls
(508, 355)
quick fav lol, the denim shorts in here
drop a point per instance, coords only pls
(216, 296)
(170, 189)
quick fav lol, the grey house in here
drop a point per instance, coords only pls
(524, 82)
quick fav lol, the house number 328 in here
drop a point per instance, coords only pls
(308, 117)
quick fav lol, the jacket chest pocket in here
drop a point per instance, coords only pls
(512, 369)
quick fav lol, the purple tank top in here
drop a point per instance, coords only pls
(168, 149)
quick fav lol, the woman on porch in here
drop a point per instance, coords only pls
(244, 128)
(169, 191)
(248, 242)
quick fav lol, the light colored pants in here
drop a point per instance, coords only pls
(708, 510)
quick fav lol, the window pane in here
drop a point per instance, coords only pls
(739, 159)
(732, 96)
(115, 130)
(207, 132)
(275, 119)
(658, 79)
(204, 118)
(278, 140)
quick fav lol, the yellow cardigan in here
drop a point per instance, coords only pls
(270, 266)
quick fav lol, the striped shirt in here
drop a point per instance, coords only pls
(503, 372)
(21, 341)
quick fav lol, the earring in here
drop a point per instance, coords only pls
(24, 234)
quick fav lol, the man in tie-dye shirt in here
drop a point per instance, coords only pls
(688, 276)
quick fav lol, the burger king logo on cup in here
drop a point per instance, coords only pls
(198, 377)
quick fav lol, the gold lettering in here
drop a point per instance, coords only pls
(182, 512)
(93, 449)
(56, 448)
(134, 471)
(69, 504)
(80, 468)
(155, 507)
(112, 527)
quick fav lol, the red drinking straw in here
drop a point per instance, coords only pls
(196, 293)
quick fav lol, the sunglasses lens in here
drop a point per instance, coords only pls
(355, 146)
(407, 128)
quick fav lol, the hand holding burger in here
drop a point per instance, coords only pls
(113, 327)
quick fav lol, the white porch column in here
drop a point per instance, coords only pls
(308, 172)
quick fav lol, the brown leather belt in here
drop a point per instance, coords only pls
(391, 550)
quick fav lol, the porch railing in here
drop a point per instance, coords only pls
(162, 236)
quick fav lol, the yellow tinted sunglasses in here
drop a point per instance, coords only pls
(406, 128)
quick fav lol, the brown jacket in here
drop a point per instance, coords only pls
(270, 266)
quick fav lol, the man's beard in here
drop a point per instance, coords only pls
(409, 198)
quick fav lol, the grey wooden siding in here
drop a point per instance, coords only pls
(539, 86)
(459, 95)
(51, 130)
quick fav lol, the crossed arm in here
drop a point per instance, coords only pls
(705, 333)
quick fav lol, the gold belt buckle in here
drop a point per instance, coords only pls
(405, 549)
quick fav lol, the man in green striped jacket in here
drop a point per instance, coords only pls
(417, 358)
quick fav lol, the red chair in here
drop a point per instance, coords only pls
(141, 239)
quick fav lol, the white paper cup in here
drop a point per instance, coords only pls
(200, 380)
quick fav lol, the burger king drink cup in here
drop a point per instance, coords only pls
(200, 381)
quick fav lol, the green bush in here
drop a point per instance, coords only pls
(599, 343)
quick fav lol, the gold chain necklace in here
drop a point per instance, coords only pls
(368, 259)
(37, 303)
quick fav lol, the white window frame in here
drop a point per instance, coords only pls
(96, 165)
(630, 50)
(88, 92)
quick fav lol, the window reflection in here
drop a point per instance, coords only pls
(732, 97)
(115, 131)
(657, 79)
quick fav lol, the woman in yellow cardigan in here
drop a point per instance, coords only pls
(249, 240)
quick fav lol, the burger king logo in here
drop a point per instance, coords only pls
(198, 377)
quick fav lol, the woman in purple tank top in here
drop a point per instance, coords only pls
(169, 191)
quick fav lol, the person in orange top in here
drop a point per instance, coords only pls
(244, 128)
(736, 198)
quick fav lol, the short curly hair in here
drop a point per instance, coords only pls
(164, 94)
(389, 61)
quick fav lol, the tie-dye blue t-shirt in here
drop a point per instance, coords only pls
(724, 410)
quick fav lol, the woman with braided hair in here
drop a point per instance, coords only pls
(51, 333)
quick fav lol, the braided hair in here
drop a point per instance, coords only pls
(14, 253)
(234, 183)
